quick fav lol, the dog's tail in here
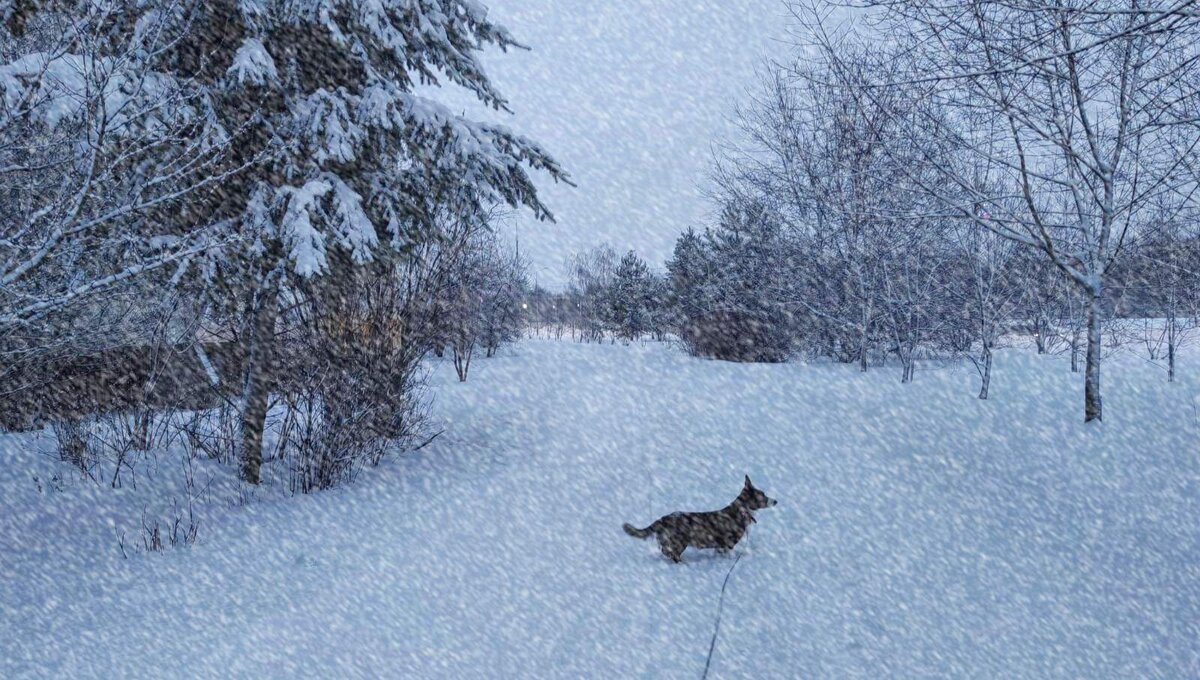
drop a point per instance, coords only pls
(638, 533)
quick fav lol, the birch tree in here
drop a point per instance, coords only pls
(1068, 107)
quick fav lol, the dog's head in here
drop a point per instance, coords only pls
(753, 498)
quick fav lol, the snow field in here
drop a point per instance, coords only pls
(920, 533)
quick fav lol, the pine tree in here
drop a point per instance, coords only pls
(347, 166)
(663, 317)
(731, 287)
(631, 298)
(689, 274)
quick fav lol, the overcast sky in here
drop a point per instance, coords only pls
(629, 96)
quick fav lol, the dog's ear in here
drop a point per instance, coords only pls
(749, 485)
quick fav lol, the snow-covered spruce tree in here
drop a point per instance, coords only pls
(749, 319)
(631, 298)
(689, 274)
(357, 166)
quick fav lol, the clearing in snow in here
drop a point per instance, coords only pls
(920, 533)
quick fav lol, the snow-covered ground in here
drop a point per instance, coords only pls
(920, 533)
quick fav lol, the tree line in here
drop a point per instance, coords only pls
(932, 177)
(929, 176)
(749, 289)
(606, 298)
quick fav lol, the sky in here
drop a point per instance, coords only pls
(630, 96)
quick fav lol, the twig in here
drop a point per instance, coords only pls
(720, 606)
(427, 442)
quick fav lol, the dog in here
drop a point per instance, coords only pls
(720, 529)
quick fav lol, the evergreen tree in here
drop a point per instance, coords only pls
(689, 276)
(749, 247)
(663, 317)
(346, 168)
(632, 298)
(731, 287)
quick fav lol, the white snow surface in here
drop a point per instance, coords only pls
(920, 532)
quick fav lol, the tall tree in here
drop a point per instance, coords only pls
(749, 319)
(357, 167)
(824, 158)
(689, 273)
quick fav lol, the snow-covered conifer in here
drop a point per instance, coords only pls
(631, 298)
(342, 162)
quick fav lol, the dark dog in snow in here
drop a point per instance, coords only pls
(720, 529)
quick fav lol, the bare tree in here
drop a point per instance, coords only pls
(815, 152)
(835, 165)
(988, 292)
(590, 277)
(1066, 110)
(483, 298)
(1168, 291)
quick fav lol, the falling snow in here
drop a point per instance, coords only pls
(355, 339)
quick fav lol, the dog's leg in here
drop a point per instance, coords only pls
(673, 550)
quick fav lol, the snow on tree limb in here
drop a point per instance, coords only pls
(253, 64)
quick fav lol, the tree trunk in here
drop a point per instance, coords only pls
(987, 371)
(141, 429)
(1091, 393)
(1075, 350)
(1171, 350)
(862, 342)
(906, 362)
(862, 353)
(462, 359)
(257, 379)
